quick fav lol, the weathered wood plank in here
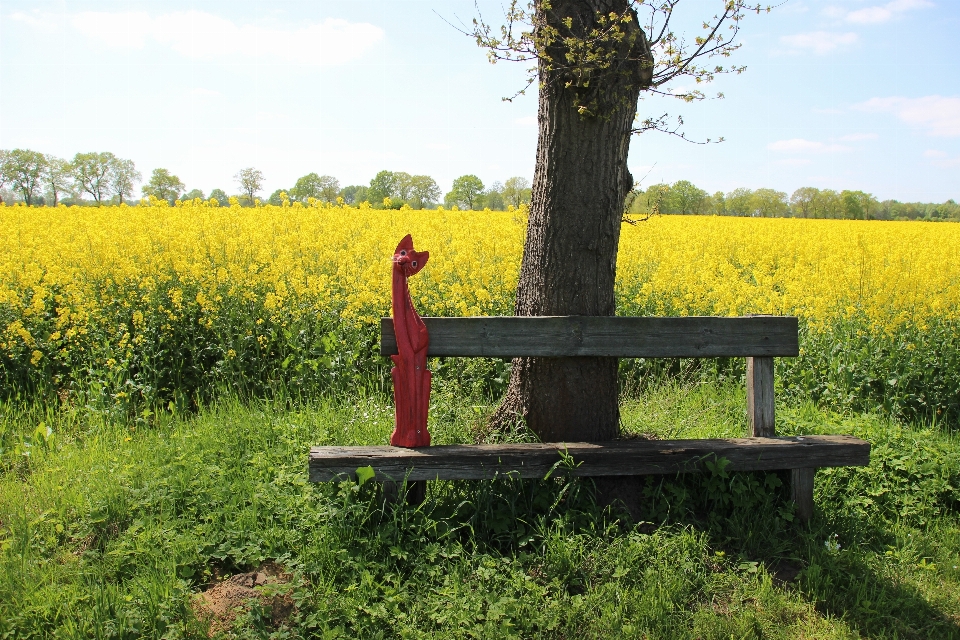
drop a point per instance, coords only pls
(801, 489)
(619, 457)
(624, 337)
(760, 398)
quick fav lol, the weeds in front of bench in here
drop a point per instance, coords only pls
(112, 530)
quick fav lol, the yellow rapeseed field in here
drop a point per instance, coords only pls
(890, 273)
(308, 260)
(79, 285)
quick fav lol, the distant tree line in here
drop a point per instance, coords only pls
(685, 198)
(99, 178)
(38, 178)
(394, 189)
(102, 178)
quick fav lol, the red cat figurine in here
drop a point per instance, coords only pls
(411, 380)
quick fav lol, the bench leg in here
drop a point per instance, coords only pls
(801, 485)
(416, 492)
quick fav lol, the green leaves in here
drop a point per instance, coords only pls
(365, 474)
(111, 532)
(912, 372)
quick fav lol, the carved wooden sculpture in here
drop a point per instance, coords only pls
(411, 380)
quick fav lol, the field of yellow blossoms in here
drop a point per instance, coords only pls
(153, 303)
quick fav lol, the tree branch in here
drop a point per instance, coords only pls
(525, 36)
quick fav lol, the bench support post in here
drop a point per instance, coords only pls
(760, 400)
(801, 489)
(415, 495)
(760, 415)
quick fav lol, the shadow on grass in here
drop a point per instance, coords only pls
(854, 587)
(837, 565)
(843, 566)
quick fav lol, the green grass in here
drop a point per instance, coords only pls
(108, 528)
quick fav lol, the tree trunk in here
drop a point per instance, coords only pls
(570, 256)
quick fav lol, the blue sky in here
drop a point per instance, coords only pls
(841, 94)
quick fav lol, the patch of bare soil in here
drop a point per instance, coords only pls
(639, 436)
(225, 600)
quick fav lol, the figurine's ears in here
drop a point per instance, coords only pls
(405, 244)
(422, 258)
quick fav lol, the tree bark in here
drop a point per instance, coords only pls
(570, 255)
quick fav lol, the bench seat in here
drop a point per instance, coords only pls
(613, 458)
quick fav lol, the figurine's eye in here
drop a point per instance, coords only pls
(404, 252)
(414, 263)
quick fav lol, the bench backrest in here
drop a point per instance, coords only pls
(624, 337)
(756, 338)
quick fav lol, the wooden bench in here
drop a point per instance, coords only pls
(757, 338)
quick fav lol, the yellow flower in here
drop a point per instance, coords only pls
(224, 269)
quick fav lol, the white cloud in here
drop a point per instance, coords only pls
(274, 118)
(43, 21)
(858, 137)
(118, 30)
(205, 93)
(799, 145)
(885, 12)
(795, 7)
(202, 35)
(819, 42)
(941, 158)
(940, 116)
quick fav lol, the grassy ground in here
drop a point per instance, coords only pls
(110, 529)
